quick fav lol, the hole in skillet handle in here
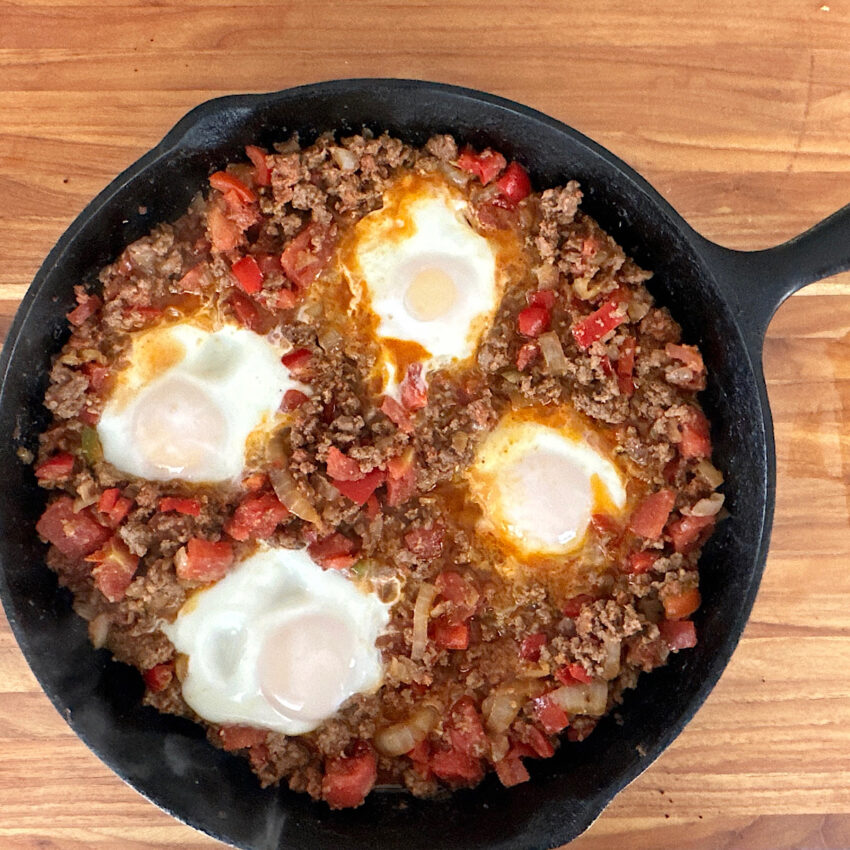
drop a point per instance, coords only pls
(216, 792)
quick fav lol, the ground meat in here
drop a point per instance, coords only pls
(377, 483)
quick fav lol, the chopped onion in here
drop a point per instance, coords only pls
(394, 740)
(611, 665)
(286, 489)
(591, 698)
(547, 275)
(421, 615)
(98, 630)
(500, 708)
(710, 506)
(636, 309)
(88, 495)
(345, 159)
(329, 339)
(709, 473)
(553, 353)
(454, 175)
(402, 737)
(181, 667)
(499, 746)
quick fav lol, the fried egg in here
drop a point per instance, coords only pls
(188, 401)
(539, 483)
(278, 643)
(431, 281)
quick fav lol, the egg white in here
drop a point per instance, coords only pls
(539, 485)
(185, 405)
(327, 654)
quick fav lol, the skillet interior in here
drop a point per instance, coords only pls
(168, 759)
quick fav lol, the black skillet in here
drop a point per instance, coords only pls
(724, 300)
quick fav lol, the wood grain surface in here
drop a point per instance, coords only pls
(739, 113)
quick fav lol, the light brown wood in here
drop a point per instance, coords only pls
(738, 113)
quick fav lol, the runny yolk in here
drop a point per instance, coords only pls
(431, 294)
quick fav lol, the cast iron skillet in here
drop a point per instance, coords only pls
(724, 300)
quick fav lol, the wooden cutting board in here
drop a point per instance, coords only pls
(738, 113)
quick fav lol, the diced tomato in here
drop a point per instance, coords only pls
(341, 467)
(414, 390)
(678, 634)
(600, 322)
(204, 561)
(550, 715)
(297, 360)
(336, 552)
(530, 647)
(397, 414)
(572, 607)
(541, 298)
(533, 321)
(626, 366)
(401, 478)
(373, 507)
(224, 233)
(360, 491)
(55, 468)
(158, 678)
(465, 729)
(486, 166)
(349, 779)
(248, 275)
(526, 355)
(513, 186)
(696, 440)
(687, 354)
(73, 534)
(650, 516)
(114, 568)
(426, 543)
(688, 532)
(292, 400)
(641, 562)
(246, 311)
(448, 635)
(97, 375)
(257, 517)
(573, 673)
(87, 305)
(681, 605)
(463, 595)
(262, 174)
(306, 256)
(511, 771)
(538, 742)
(456, 767)
(241, 737)
(190, 507)
(114, 506)
(193, 280)
(225, 182)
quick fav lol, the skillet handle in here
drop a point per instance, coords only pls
(757, 282)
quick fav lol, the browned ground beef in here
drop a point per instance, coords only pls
(485, 705)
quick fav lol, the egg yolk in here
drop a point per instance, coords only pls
(431, 294)
(304, 666)
(179, 429)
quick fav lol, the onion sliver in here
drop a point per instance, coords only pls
(708, 507)
(421, 615)
(553, 353)
(591, 698)
(500, 708)
(286, 489)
